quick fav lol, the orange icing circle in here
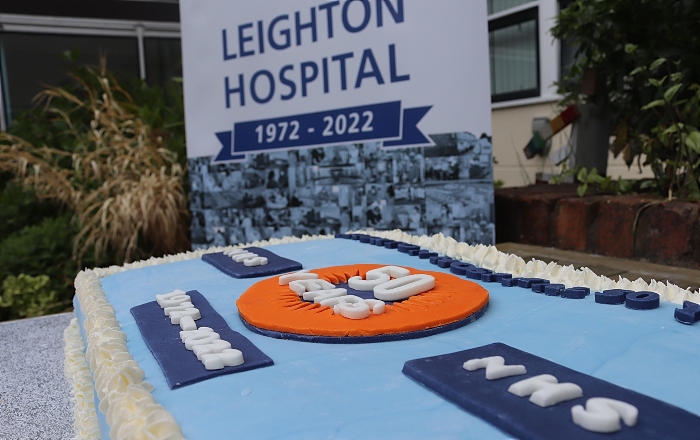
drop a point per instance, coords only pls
(269, 306)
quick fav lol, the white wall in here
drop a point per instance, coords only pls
(512, 129)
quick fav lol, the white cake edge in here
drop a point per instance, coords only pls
(105, 342)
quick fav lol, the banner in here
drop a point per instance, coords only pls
(317, 116)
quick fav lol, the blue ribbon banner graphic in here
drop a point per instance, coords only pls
(386, 122)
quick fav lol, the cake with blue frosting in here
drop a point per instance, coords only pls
(378, 335)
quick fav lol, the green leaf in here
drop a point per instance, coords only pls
(674, 128)
(582, 189)
(693, 141)
(638, 70)
(656, 63)
(671, 91)
(655, 103)
(648, 184)
(582, 175)
(594, 178)
(630, 48)
(657, 82)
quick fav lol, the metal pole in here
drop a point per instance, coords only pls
(142, 55)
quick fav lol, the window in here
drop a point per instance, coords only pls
(35, 60)
(163, 60)
(139, 39)
(513, 52)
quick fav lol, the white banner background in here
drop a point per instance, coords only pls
(441, 44)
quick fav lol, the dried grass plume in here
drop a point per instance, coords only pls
(124, 186)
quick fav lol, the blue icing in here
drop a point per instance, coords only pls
(348, 391)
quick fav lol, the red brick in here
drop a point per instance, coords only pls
(615, 223)
(523, 214)
(667, 233)
(574, 223)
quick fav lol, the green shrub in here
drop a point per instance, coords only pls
(36, 251)
(26, 296)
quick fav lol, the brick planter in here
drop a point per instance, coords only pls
(555, 216)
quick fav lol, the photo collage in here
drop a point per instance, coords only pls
(446, 188)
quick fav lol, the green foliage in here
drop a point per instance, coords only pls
(641, 56)
(35, 251)
(603, 184)
(25, 296)
(60, 163)
(19, 207)
(41, 249)
(591, 180)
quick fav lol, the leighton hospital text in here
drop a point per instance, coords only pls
(332, 73)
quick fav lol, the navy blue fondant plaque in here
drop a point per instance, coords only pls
(490, 399)
(180, 365)
(275, 264)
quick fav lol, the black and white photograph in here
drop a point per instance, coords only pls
(463, 211)
(458, 156)
(445, 188)
(378, 163)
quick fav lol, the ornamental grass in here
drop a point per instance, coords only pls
(123, 184)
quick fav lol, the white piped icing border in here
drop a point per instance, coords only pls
(488, 257)
(125, 398)
(79, 375)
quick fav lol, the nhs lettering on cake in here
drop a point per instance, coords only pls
(266, 75)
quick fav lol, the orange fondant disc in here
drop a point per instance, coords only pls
(269, 306)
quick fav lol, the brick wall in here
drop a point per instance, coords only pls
(631, 226)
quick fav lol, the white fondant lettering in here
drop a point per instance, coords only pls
(216, 346)
(227, 358)
(241, 257)
(255, 261)
(201, 330)
(175, 316)
(352, 307)
(246, 257)
(376, 277)
(294, 276)
(187, 323)
(202, 339)
(404, 287)
(174, 301)
(603, 415)
(378, 306)
(368, 284)
(166, 296)
(544, 390)
(214, 352)
(178, 308)
(319, 295)
(495, 367)
(301, 286)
